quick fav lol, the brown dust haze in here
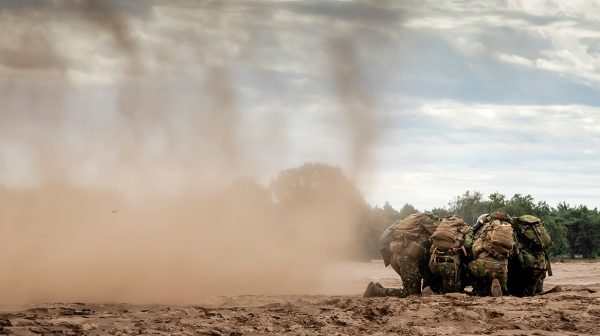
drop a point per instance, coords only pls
(128, 135)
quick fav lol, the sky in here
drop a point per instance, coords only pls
(418, 101)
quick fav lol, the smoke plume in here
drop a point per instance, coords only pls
(137, 150)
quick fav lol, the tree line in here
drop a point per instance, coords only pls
(575, 229)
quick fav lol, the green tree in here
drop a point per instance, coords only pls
(496, 201)
(520, 205)
(406, 211)
(441, 212)
(583, 230)
(468, 206)
(378, 220)
(555, 224)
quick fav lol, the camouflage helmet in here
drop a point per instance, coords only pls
(500, 215)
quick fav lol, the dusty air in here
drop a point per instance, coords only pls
(299, 167)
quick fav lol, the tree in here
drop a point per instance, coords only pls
(406, 211)
(520, 205)
(314, 183)
(441, 212)
(321, 207)
(468, 206)
(496, 201)
(583, 230)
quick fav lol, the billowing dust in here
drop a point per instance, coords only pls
(130, 178)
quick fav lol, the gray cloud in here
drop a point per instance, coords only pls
(379, 13)
(275, 53)
(32, 51)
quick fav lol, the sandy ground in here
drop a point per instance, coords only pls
(574, 311)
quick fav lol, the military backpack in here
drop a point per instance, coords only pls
(407, 235)
(496, 238)
(450, 234)
(532, 233)
(446, 250)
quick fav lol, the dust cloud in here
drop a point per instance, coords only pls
(136, 167)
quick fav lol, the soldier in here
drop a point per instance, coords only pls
(448, 254)
(404, 246)
(530, 262)
(493, 244)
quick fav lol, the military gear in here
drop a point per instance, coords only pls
(410, 271)
(532, 232)
(496, 238)
(494, 244)
(484, 270)
(384, 244)
(417, 223)
(527, 271)
(500, 215)
(482, 219)
(450, 234)
(415, 228)
(405, 244)
(447, 253)
(529, 265)
(386, 254)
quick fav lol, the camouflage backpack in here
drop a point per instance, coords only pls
(496, 238)
(532, 233)
(450, 234)
(416, 224)
(447, 244)
(407, 235)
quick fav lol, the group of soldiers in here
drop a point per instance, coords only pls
(498, 255)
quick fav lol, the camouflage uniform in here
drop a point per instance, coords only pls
(447, 254)
(411, 271)
(485, 268)
(527, 272)
(468, 258)
(528, 266)
(376, 289)
(448, 280)
(411, 266)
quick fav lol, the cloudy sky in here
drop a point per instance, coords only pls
(418, 100)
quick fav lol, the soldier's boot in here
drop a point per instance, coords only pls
(397, 292)
(427, 291)
(373, 290)
(496, 289)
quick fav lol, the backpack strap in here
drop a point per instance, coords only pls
(433, 259)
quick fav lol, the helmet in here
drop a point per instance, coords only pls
(481, 218)
(501, 215)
